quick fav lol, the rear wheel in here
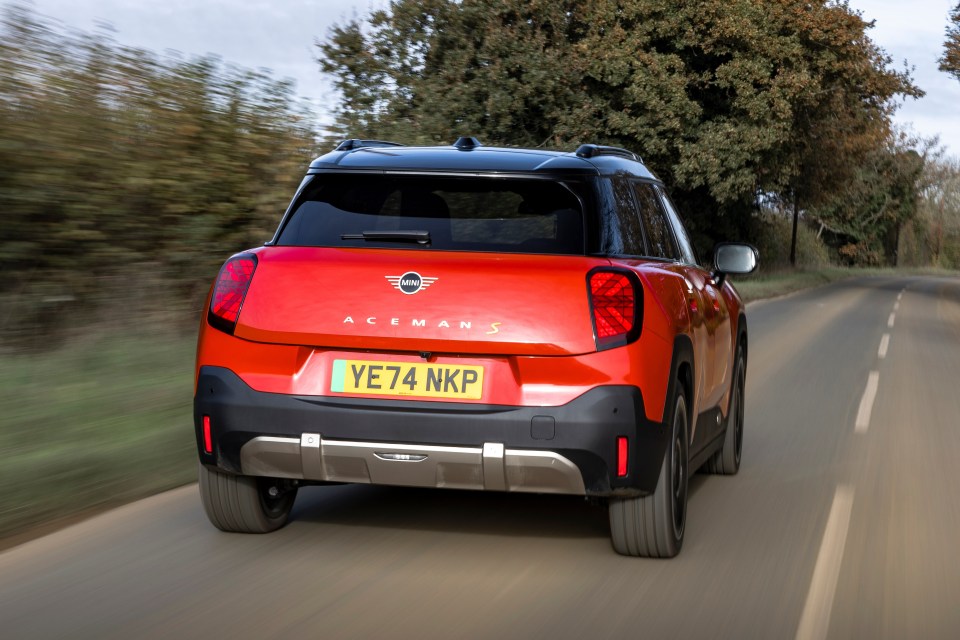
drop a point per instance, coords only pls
(653, 526)
(245, 504)
(726, 461)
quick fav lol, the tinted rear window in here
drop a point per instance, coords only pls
(466, 214)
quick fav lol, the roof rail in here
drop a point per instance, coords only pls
(593, 150)
(356, 143)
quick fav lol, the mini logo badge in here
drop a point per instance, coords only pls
(410, 282)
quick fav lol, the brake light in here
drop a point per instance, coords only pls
(229, 291)
(615, 305)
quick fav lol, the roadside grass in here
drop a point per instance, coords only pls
(103, 420)
(778, 283)
(107, 418)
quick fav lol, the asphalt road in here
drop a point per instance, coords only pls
(844, 522)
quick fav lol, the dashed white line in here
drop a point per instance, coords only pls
(815, 620)
(896, 306)
(866, 403)
(884, 345)
(890, 320)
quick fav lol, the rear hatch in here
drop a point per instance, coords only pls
(407, 300)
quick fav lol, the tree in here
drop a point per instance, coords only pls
(727, 100)
(940, 211)
(950, 61)
(127, 174)
(865, 218)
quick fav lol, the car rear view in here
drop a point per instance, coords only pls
(430, 318)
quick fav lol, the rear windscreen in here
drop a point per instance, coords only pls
(459, 214)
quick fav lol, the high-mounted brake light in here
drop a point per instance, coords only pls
(229, 291)
(616, 308)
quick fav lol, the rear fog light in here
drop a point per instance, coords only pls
(207, 436)
(621, 457)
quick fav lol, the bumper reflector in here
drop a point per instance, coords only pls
(621, 456)
(207, 437)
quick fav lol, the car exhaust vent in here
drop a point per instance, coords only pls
(616, 302)
(230, 290)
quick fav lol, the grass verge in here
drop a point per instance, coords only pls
(778, 283)
(104, 420)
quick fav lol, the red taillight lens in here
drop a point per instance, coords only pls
(230, 290)
(207, 435)
(613, 299)
(621, 456)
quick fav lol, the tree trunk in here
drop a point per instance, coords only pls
(793, 241)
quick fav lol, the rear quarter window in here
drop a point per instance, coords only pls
(660, 238)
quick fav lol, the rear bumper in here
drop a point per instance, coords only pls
(567, 449)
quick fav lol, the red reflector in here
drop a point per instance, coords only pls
(612, 297)
(231, 288)
(621, 456)
(207, 438)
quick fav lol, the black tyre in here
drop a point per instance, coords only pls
(653, 526)
(726, 461)
(245, 504)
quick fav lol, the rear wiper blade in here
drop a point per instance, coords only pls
(420, 237)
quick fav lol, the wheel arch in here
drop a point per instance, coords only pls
(683, 371)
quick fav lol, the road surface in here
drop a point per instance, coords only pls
(844, 522)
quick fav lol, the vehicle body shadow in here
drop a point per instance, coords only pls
(451, 510)
(458, 511)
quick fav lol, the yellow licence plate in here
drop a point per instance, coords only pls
(407, 379)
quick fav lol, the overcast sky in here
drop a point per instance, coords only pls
(280, 34)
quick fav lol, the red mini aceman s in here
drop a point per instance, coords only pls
(472, 317)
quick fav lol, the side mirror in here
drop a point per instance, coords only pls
(734, 257)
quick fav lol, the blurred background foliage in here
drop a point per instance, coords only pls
(127, 177)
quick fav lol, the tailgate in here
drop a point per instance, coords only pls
(410, 300)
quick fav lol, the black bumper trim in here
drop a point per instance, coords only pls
(585, 430)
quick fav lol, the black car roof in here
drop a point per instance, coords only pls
(476, 159)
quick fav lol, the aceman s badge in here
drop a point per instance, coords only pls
(411, 282)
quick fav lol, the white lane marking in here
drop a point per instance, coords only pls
(896, 306)
(893, 316)
(815, 621)
(900, 295)
(884, 345)
(866, 403)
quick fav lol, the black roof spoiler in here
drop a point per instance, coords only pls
(593, 150)
(356, 143)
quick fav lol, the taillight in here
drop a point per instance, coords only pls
(617, 304)
(229, 291)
